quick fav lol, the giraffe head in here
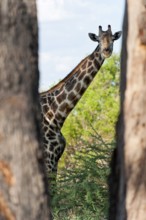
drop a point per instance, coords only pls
(105, 40)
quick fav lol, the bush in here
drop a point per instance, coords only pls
(82, 192)
(82, 189)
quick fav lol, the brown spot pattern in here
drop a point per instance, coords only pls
(97, 64)
(84, 65)
(78, 87)
(87, 80)
(54, 106)
(71, 96)
(70, 85)
(64, 107)
(50, 115)
(89, 63)
(61, 97)
(81, 75)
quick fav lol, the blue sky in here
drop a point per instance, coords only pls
(63, 33)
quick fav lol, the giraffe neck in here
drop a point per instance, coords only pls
(63, 97)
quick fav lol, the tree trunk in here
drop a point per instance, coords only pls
(135, 112)
(128, 180)
(22, 184)
(117, 176)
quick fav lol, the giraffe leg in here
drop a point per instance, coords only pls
(54, 146)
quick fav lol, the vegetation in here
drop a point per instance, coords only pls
(89, 130)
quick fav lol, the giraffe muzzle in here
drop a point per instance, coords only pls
(107, 52)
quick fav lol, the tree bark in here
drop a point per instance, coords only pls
(128, 180)
(135, 112)
(117, 176)
(22, 183)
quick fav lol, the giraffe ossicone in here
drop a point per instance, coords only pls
(57, 102)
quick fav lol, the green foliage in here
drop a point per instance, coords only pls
(98, 106)
(89, 130)
(82, 191)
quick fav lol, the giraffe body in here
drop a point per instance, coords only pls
(58, 102)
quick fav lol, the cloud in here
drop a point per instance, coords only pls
(62, 10)
(52, 10)
(45, 57)
(57, 10)
(64, 63)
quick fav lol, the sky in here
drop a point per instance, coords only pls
(63, 33)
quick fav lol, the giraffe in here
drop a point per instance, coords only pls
(57, 102)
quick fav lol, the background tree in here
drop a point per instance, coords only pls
(128, 179)
(22, 191)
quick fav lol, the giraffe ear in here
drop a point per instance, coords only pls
(117, 35)
(93, 37)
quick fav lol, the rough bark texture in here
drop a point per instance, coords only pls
(22, 185)
(117, 176)
(135, 112)
(128, 180)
